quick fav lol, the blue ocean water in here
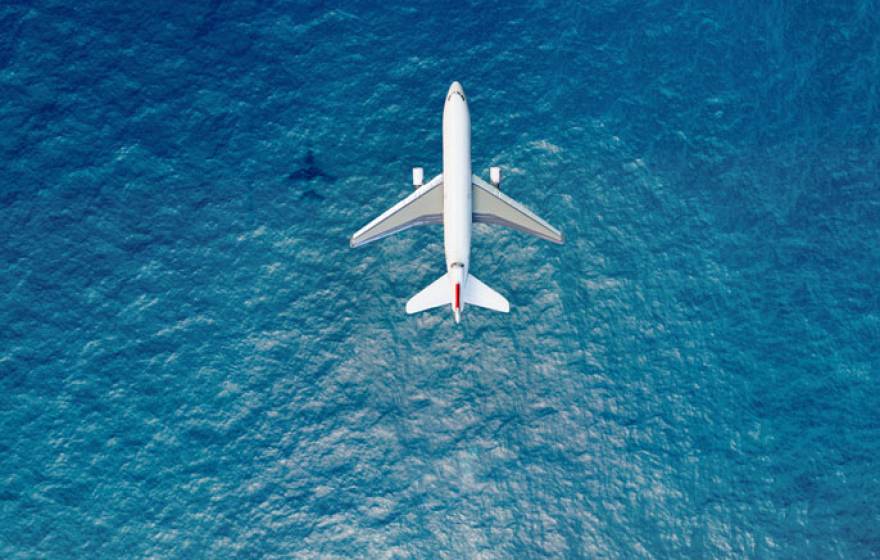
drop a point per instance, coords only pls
(194, 364)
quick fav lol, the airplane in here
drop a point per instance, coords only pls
(456, 198)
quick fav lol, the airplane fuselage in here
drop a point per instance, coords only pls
(457, 201)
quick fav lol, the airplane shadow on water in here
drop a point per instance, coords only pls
(309, 173)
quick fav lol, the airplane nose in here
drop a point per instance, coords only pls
(455, 88)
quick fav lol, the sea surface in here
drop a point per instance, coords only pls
(194, 363)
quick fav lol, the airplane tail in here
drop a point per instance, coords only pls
(481, 295)
(436, 294)
(440, 292)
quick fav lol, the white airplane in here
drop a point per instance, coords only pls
(456, 198)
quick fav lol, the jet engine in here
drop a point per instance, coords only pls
(495, 177)
(418, 177)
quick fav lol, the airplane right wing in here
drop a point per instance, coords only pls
(491, 206)
(423, 206)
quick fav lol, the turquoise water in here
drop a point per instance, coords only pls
(194, 364)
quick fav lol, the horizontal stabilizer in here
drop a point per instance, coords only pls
(423, 206)
(491, 206)
(481, 295)
(436, 294)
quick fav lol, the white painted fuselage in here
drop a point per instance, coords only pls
(457, 194)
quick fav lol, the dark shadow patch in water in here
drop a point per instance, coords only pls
(309, 170)
(312, 196)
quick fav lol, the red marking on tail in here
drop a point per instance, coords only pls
(458, 296)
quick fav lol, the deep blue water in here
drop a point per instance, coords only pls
(194, 364)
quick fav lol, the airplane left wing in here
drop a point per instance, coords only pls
(423, 206)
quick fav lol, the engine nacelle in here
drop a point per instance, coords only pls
(418, 177)
(495, 177)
